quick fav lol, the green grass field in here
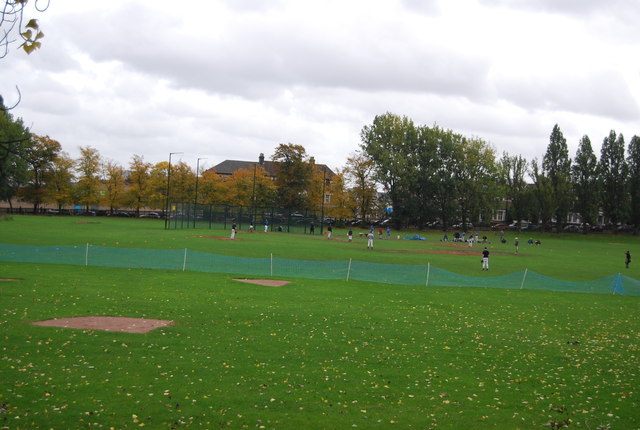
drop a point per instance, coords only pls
(314, 353)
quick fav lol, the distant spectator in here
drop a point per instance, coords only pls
(266, 225)
(370, 240)
(312, 228)
(350, 235)
(627, 259)
(329, 231)
(233, 231)
(516, 244)
(388, 233)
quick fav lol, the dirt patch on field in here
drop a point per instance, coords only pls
(120, 324)
(9, 280)
(216, 237)
(264, 282)
(87, 222)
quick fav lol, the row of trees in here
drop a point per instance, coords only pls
(435, 174)
(34, 169)
(427, 174)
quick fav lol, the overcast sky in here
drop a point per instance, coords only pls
(229, 79)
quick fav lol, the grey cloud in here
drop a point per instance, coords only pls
(603, 94)
(260, 59)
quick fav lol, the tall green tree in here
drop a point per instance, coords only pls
(88, 186)
(441, 176)
(14, 139)
(475, 176)
(556, 166)
(293, 175)
(424, 175)
(584, 177)
(511, 176)
(544, 201)
(388, 142)
(633, 162)
(612, 171)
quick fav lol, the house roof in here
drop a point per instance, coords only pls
(228, 167)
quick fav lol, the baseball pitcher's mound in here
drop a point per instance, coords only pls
(265, 282)
(121, 324)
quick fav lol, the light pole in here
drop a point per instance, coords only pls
(253, 197)
(166, 213)
(324, 181)
(195, 203)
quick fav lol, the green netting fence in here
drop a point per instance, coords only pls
(426, 275)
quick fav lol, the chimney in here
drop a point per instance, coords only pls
(261, 159)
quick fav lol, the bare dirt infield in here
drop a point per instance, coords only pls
(264, 282)
(120, 324)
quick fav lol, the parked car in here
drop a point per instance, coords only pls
(572, 228)
(119, 214)
(533, 227)
(459, 225)
(154, 215)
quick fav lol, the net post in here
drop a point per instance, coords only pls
(272, 264)
(86, 255)
(428, 272)
(184, 261)
(349, 270)
(523, 278)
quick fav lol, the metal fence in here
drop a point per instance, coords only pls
(192, 215)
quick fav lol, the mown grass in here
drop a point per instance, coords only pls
(573, 257)
(318, 354)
